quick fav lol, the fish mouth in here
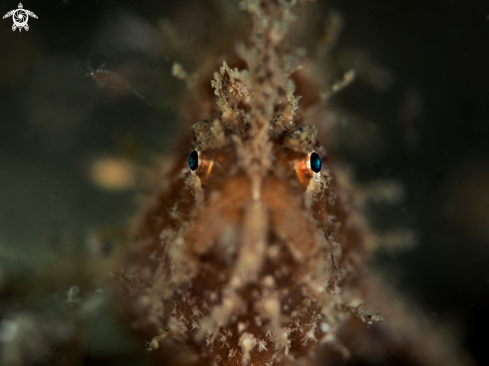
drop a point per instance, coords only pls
(245, 239)
(253, 263)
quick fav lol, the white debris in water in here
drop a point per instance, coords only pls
(8, 331)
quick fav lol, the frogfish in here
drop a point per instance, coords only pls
(249, 248)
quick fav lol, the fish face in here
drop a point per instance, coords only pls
(239, 251)
(239, 270)
(247, 250)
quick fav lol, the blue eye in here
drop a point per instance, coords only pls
(315, 162)
(193, 160)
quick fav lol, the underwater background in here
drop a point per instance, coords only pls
(73, 156)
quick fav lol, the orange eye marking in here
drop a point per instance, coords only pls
(303, 170)
(210, 166)
(205, 165)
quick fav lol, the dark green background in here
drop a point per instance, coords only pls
(54, 122)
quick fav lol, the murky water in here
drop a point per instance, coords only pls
(72, 157)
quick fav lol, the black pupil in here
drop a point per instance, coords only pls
(193, 160)
(315, 162)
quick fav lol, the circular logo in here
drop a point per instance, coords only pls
(20, 18)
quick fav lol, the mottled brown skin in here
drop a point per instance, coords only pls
(254, 259)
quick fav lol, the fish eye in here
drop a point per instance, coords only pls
(315, 162)
(193, 160)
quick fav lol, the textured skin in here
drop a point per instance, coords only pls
(254, 259)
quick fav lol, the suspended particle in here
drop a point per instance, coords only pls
(111, 80)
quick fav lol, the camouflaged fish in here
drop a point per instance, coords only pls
(248, 250)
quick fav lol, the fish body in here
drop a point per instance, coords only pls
(248, 249)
